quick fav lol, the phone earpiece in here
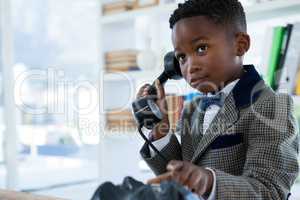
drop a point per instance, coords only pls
(172, 67)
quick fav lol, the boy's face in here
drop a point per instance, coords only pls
(206, 52)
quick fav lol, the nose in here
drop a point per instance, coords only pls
(193, 66)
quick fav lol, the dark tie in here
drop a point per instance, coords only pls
(207, 101)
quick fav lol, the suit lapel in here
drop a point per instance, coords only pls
(218, 126)
(197, 127)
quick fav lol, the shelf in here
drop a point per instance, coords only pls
(130, 15)
(254, 12)
(276, 8)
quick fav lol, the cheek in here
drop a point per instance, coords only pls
(216, 71)
(212, 64)
(227, 56)
(183, 70)
(220, 61)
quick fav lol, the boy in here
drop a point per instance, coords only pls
(240, 140)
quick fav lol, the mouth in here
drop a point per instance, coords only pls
(195, 82)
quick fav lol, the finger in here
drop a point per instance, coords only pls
(160, 89)
(142, 90)
(183, 171)
(186, 174)
(176, 176)
(204, 184)
(164, 177)
(175, 165)
(195, 183)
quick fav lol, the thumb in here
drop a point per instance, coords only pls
(174, 165)
(160, 89)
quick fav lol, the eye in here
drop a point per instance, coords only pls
(180, 58)
(202, 49)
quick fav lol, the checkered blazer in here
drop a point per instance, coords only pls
(251, 144)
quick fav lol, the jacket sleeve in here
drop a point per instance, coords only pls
(271, 165)
(173, 150)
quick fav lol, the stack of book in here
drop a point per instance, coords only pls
(282, 57)
(117, 7)
(175, 105)
(146, 3)
(120, 121)
(121, 61)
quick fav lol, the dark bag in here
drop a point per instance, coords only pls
(132, 189)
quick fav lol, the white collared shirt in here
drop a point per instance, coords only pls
(209, 115)
(212, 110)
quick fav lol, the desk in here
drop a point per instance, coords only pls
(12, 195)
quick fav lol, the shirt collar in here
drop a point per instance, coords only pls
(245, 90)
(227, 89)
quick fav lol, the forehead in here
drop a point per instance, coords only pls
(192, 28)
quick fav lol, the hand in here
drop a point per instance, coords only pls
(163, 127)
(197, 179)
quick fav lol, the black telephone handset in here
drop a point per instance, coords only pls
(146, 113)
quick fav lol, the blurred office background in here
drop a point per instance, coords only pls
(69, 72)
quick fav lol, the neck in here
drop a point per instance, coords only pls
(237, 75)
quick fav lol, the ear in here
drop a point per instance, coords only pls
(242, 43)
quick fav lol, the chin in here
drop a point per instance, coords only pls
(206, 88)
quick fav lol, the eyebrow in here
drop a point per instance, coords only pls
(199, 38)
(195, 40)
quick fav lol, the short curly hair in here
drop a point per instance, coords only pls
(229, 13)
